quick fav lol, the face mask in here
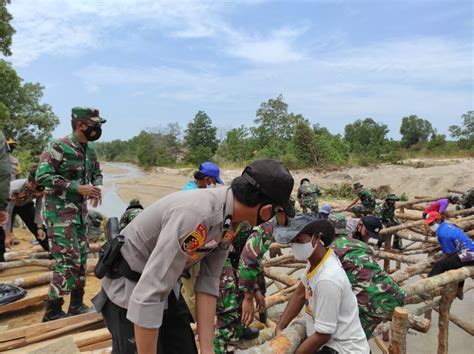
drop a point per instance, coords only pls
(302, 251)
(259, 218)
(93, 133)
(434, 227)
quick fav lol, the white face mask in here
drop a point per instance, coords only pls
(302, 251)
(434, 227)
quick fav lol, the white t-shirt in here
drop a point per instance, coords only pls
(331, 307)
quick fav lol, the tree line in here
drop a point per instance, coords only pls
(291, 138)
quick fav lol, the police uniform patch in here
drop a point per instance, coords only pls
(194, 239)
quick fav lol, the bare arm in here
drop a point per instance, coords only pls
(352, 204)
(147, 339)
(313, 343)
(295, 304)
(205, 313)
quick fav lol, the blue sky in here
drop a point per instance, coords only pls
(144, 64)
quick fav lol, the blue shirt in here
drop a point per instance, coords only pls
(190, 185)
(452, 239)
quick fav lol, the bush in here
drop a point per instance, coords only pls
(342, 191)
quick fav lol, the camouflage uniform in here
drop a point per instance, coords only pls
(386, 213)
(95, 231)
(308, 197)
(64, 165)
(377, 294)
(467, 200)
(128, 216)
(367, 206)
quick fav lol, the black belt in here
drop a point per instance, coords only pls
(122, 269)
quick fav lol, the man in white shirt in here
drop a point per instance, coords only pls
(330, 307)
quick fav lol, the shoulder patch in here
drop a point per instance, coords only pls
(194, 239)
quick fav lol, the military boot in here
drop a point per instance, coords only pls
(77, 306)
(250, 333)
(54, 310)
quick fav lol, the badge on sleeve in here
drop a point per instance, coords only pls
(194, 239)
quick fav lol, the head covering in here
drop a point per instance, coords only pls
(134, 203)
(274, 180)
(372, 224)
(307, 224)
(340, 223)
(325, 209)
(432, 216)
(392, 197)
(212, 170)
(357, 185)
(84, 113)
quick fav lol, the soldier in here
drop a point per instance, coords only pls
(386, 213)
(16, 168)
(466, 201)
(140, 297)
(307, 196)
(5, 174)
(241, 281)
(71, 174)
(134, 208)
(366, 199)
(377, 294)
(95, 230)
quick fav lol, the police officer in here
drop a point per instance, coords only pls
(71, 174)
(140, 298)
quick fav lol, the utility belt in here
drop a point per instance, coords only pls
(111, 262)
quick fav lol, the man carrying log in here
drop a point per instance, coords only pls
(331, 313)
(367, 201)
(440, 205)
(457, 247)
(386, 213)
(140, 297)
(71, 173)
(377, 294)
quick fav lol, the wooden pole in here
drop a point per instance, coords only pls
(396, 257)
(404, 274)
(399, 331)
(447, 298)
(280, 277)
(47, 263)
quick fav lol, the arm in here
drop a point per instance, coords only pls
(205, 313)
(352, 204)
(97, 178)
(295, 304)
(147, 339)
(313, 343)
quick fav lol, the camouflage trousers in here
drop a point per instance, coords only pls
(380, 308)
(360, 210)
(229, 328)
(69, 248)
(310, 203)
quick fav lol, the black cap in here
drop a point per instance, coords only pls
(372, 224)
(274, 180)
(307, 224)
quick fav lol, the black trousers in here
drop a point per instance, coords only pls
(447, 263)
(27, 214)
(175, 337)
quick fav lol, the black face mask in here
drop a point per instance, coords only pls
(259, 218)
(93, 133)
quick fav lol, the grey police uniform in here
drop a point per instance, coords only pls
(167, 238)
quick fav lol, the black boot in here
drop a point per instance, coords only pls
(54, 310)
(397, 243)
(76, 306)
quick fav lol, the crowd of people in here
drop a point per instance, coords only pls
(197, 255)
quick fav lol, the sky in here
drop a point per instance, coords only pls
(146, 63)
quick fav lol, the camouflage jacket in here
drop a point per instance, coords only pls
(64, 165)
(374, 289)
(128, 216)
(467, 200)
(251, 259)
(367, 199)
(386, 213)
(243, 232)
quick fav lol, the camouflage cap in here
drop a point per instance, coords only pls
(392, 197)
(340, 223)
(134, 203)
(357, 185)
(83, 113)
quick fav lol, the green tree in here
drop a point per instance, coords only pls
(6, 29)
(415, 131)
(464, 133)
(30, 122)
(238, 145)
(201, 138)
(306, 147)
(366, 136)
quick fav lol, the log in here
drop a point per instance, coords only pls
(447, 298)
(419, 238)
(418, 201)
(47, 263)
(406, 216)
(396, 257)
(422, 251)
(38, 252)
(404, 274)
(31, 281)
(33, 297)
(469, 328)
(277, 261)
(399, 331)
(265, 335)
(455, 191)
(280, 277)
(280, 297)
(451, 276)
(285, 343)
(63, 345)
